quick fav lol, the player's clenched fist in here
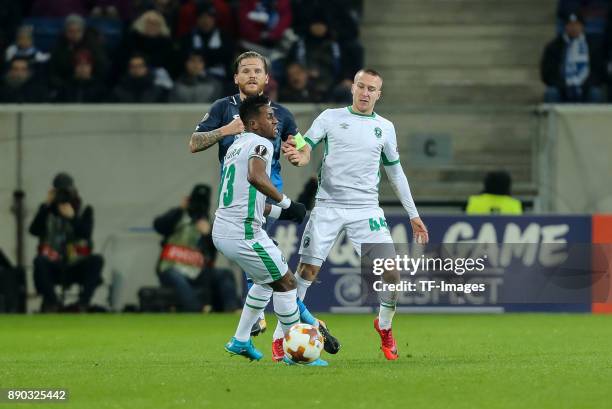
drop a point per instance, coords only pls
(296, 212)
(291, 153)
(235, 127)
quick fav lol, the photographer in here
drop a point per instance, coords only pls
(188, 255)
(64, 255)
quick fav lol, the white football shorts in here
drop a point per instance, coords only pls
(366, 225)
(259, 258)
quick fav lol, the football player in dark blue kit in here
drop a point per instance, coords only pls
(222, 123)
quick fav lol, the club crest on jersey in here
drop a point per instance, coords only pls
(261, 150)
(378, 132)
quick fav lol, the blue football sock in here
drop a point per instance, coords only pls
(305, 315)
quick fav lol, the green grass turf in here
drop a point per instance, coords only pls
(177, 361)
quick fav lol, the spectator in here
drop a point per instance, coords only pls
(150, 37)
(195, 85)
(24, 47)
(64, 230)
(271, 89)
(224, 16)
(112, 9)
(73, 41)
(320, 54)
(341, 93)
(58, 8)
(496, 197)
(20, 84)
(169, 9)
(296, 89)
(188, 254)
(138, 86)
(346, 15)
(263, 22)
(572, 66)
(208, 40)
(83, 87)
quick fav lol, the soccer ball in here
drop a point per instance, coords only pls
(303, 343)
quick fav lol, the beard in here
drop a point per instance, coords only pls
(249, 91)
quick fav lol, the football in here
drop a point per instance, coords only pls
(303, 343)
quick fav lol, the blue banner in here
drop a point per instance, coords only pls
(339, 284)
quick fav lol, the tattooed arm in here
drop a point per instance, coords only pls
(200, 141)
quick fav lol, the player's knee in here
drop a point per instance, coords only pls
(308, 271)
(287, 283)
(391, 276)
(291, 283)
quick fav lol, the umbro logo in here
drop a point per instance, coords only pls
(344, 125)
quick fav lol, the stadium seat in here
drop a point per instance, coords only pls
(46, 31)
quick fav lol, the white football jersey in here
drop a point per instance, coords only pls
(354, 147)
(240, 210)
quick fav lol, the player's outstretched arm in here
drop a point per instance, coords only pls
(400, 185)
(286, 209)
(200, 141)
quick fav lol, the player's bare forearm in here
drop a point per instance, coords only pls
(267, 208)
(264, 185)
(200, 141)
(258, 177)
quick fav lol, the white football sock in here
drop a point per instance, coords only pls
(286, 309)
(388, 300)
(302, 286)
(256, 301)
(278, 332)
(385, 316)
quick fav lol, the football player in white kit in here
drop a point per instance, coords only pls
(237, 229)
(356, 140)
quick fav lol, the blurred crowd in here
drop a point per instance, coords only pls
(576, 65)
(146, 51)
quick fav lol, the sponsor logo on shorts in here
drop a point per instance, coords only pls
(306, 242)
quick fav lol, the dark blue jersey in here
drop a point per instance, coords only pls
(224, 110)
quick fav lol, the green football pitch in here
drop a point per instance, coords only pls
(447, 361)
